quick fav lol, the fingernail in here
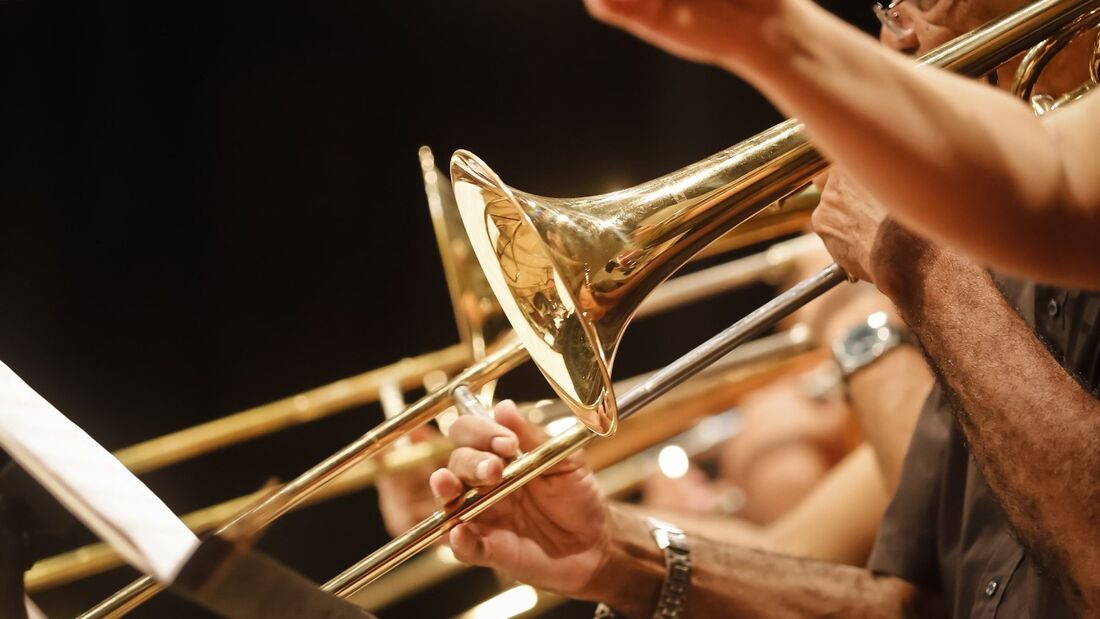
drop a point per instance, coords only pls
(503, 445)
(483, 470)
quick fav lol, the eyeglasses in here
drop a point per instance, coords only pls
(888, 15)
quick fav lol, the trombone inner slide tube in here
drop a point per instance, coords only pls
(534, 463)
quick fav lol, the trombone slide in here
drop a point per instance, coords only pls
(557, 448)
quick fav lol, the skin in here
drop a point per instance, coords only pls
(1033, 193)
(786, 443)
(558, 533)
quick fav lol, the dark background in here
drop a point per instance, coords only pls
(206, 206)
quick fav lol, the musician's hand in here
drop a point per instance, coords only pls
(720, 32)
(404, 497)
(866, 243)
(552, 533)
(849, 223)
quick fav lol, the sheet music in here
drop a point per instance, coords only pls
(33, 611)
(90, 482)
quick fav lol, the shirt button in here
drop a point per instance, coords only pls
(1052, 308)
(991, 588)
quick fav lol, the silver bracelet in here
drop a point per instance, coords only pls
(672, 601)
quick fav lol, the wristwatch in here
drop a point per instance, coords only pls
(867, 342)
(672, 602)
(673, 541)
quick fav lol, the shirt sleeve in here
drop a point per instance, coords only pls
(907, 542)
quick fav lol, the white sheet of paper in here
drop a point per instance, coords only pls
(33, 611)
(91, 483)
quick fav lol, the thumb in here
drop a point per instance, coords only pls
(529, 435)
(468, 545)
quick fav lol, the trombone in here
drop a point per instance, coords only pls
(479, 323)
(570, 274)
(475, 311)
(92, 559)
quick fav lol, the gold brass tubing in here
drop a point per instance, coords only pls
(765, 266)
(126, 599)
(423, 571)
(364, 388)
(96, 558)
(787, 216)
(1037, 58)
(420, 536)
(248, 522)
(290, 411)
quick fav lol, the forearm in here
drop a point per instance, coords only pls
(929, 142)
(888, 396)
(728, 529)
(1032, 429)
(730, 580)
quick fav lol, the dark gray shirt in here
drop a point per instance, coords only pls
(944, 529)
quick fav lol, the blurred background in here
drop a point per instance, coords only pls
(207, 206)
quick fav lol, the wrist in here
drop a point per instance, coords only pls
(901, 262)
(632, 571)
(769, 36)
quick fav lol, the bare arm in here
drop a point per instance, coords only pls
(1033, 430)
(731, 580)
(836, 522)
(888, 397)
(930, 145)
(888, 394)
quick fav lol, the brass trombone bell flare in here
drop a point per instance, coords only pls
(570, 273)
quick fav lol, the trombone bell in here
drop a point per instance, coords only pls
(543, 302)
(570, 273)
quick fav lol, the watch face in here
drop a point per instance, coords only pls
(863, 345)
(861, 342)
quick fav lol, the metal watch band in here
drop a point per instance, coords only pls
(672, 602)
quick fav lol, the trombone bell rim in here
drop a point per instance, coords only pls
(563, 343)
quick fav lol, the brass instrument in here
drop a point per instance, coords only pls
(1037, 58)
(95, 558)
(570, 274)
(508, 354)
(623, 463)
(479, 321)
